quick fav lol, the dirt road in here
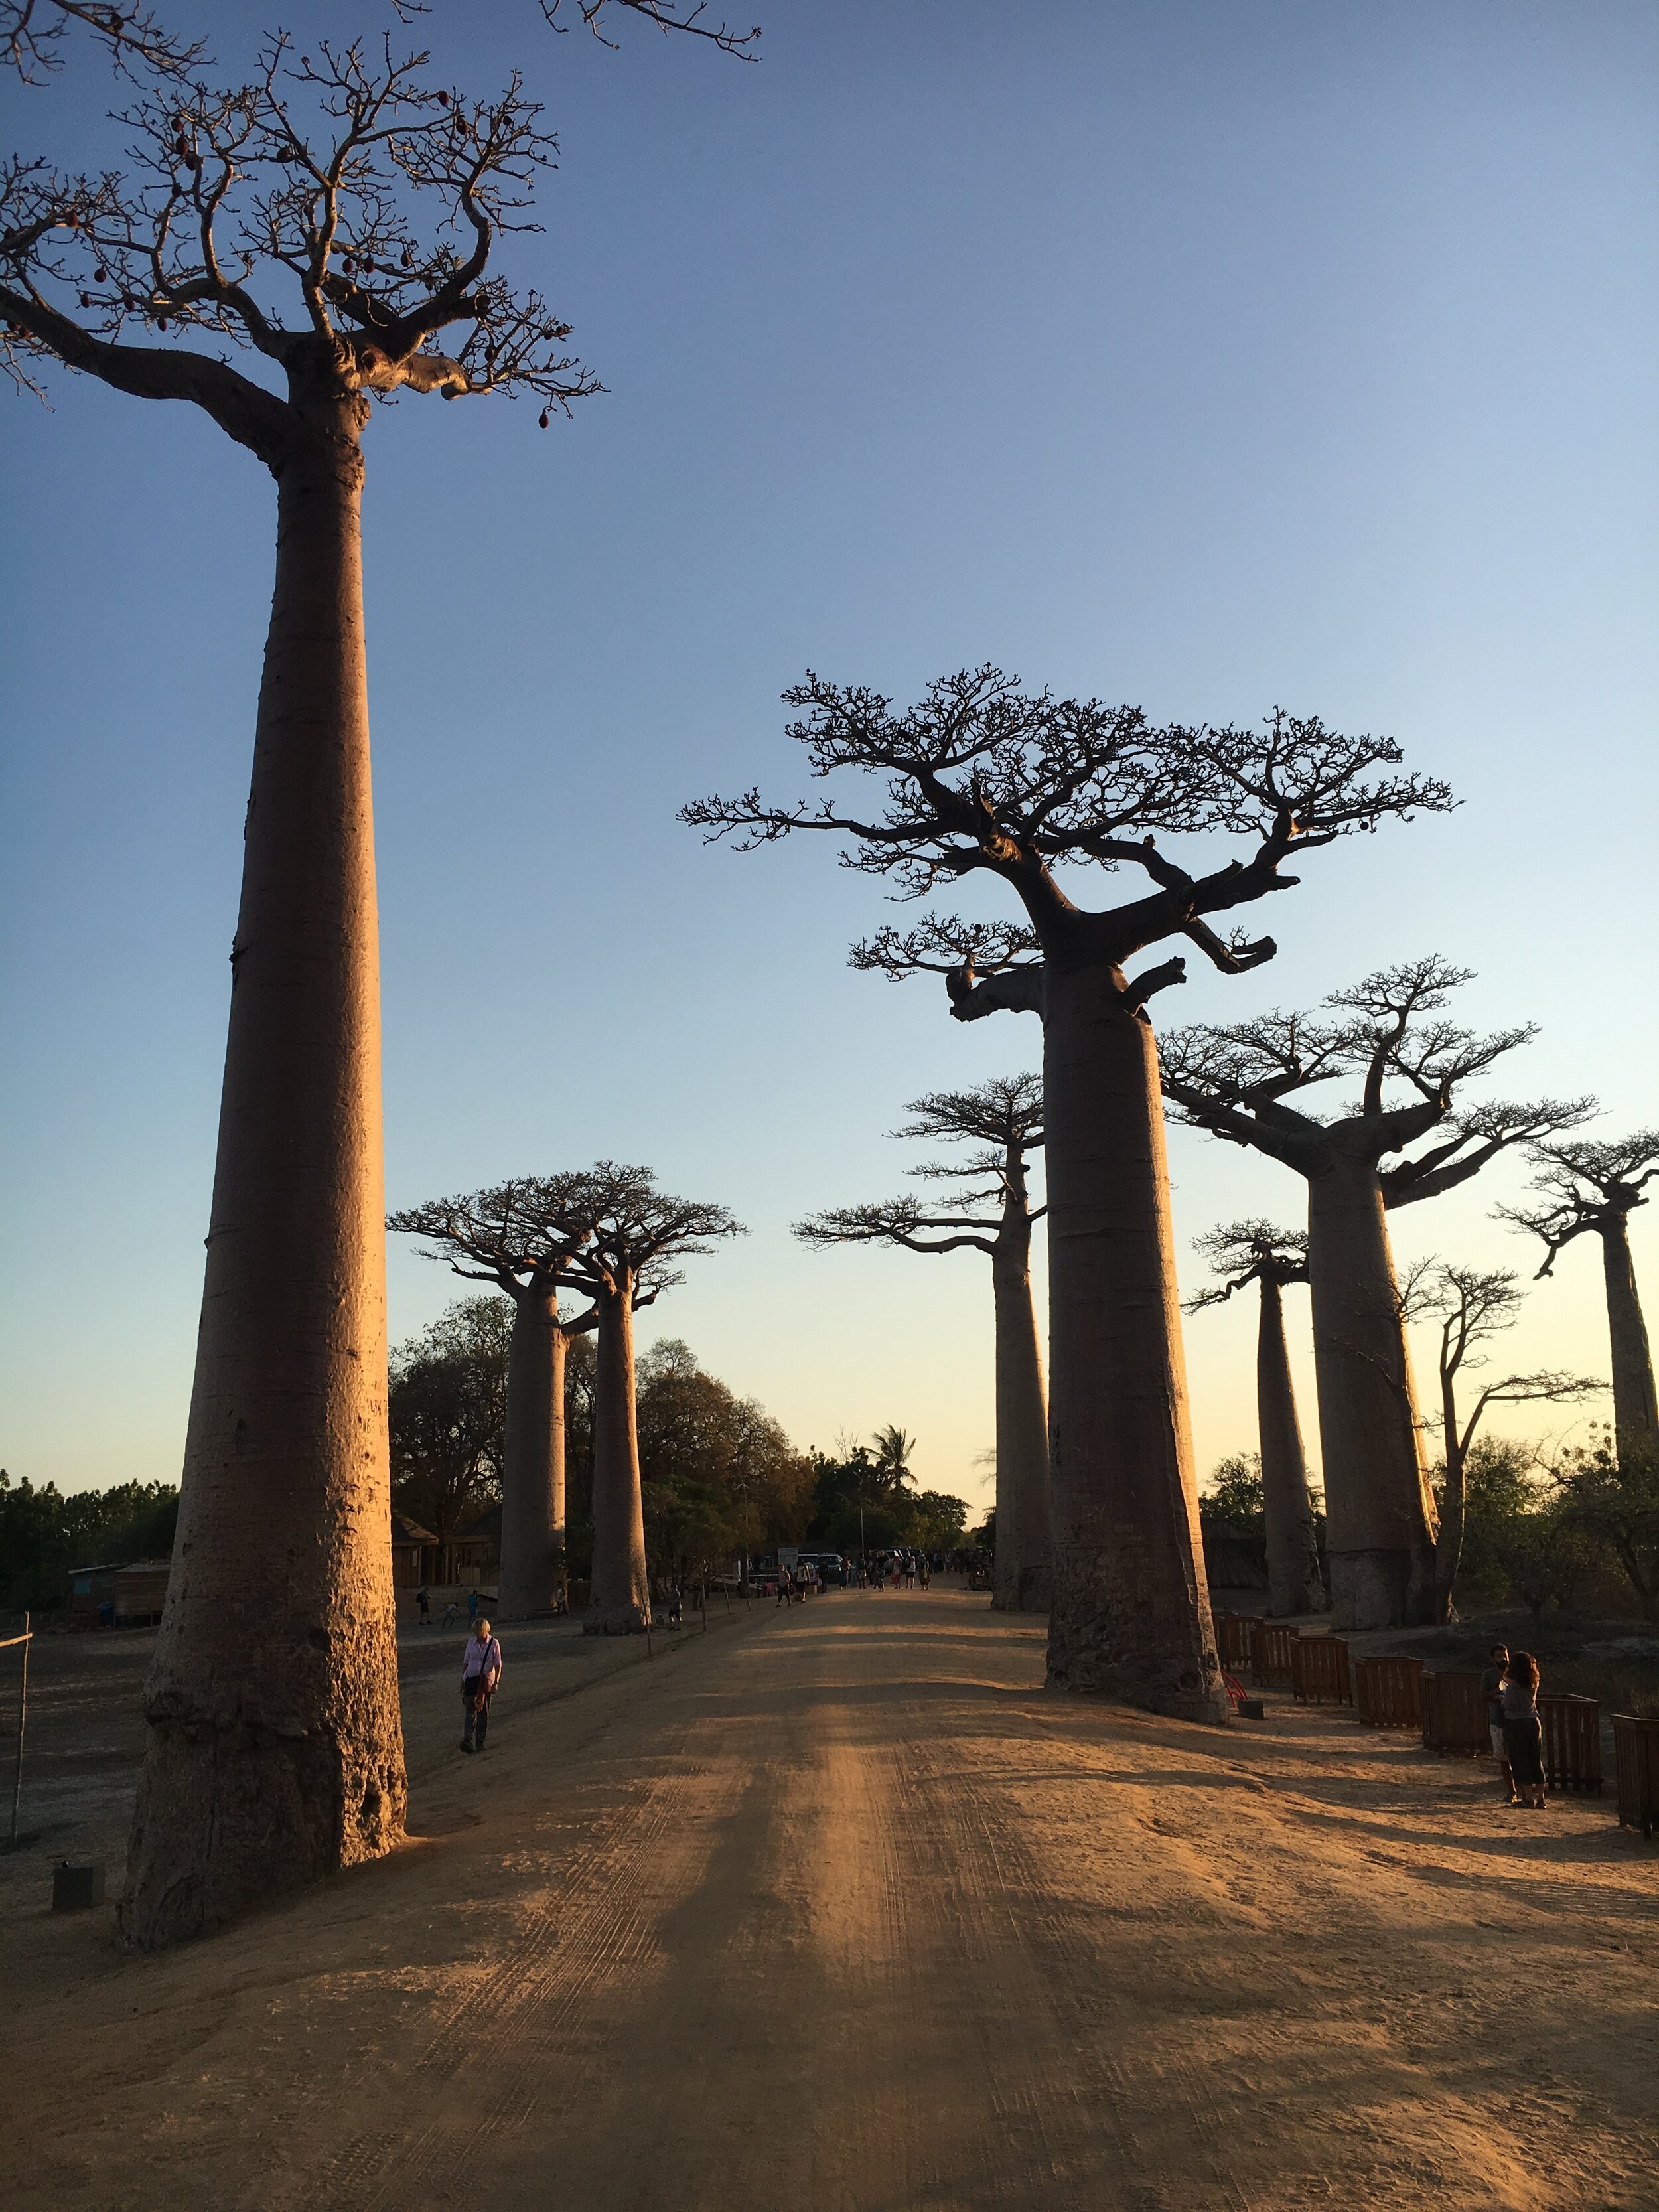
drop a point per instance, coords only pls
(839, 1909)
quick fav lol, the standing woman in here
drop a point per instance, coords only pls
(1523, 1735)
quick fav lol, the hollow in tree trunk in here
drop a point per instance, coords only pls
(532, 1475)
(1022, 1535)
(274, 1752)
(1130, 1608)
(620, 1601)
(1379, 1513)
(1294, 1584)
(1634, 1409)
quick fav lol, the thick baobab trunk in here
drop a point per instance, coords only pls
(620, 1601)
(1294, 1584)
(1634, 1409)
(1022, 1555)
(532, 1476)
(1379, 1515)
(274, 1752)
(1130, 1609)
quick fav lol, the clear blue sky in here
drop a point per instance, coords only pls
(1199, 355)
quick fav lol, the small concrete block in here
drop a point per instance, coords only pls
(73, 1888)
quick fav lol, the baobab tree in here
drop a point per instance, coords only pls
(1471, 1306)
(981, 778)
(992, 1214)
(1235, 1082)
(1242, 1252)
(1582, 1188)
(633, 1236)
(336, 216)
(522, 1236)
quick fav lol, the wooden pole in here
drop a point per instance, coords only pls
(22, 1717)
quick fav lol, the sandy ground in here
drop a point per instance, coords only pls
(839, 1908)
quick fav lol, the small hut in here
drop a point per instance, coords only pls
(141, 1592)
(414, 1552)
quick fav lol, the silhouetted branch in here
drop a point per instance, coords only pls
(981, 776)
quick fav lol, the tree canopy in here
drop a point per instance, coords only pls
(982, 777)
(331, 213)
(1244, 1252)
(447, 1413)
(1585, 1186)
(44, 1532)
(1387, 1031)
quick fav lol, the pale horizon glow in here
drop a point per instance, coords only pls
(1205, 357)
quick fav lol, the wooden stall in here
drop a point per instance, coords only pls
(140, 1591)
(1275, 1654)
(1636, 1769)
(1572, 1741)
(1234, 1633)
(1455, 1715)
(1323, 1672)
(1387, 1692)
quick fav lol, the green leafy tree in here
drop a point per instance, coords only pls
(866, 1500)
(44, 1534)
(447, 1409)
(1612, 1496)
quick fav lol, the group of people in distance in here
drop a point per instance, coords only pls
(796, 1584)
(896, 1570)
(1509, 1686)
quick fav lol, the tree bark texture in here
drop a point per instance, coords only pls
(1379, 1512)
(1023, 1536)
(1294, 1582)
(1634, 1409)
(274, 1752)
(533, 1474)
(620, 1601)
(1130, 1610)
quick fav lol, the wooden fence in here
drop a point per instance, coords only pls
(1234, 1633)
(1572, 1741)
(1323, 1672)
(1455, 1715)
(1636, 1766)
(1273, 1656)
(1387, 1692)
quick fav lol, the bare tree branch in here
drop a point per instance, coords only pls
(1245, 1252)
(1585, 1186)
(981, 776)
(372, 196)
(31, 33)
(1235, 1080)
(668, 14)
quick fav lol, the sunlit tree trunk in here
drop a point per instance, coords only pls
(274, 1752)
(1379, 1512)
(1130, 1607)
(1634, 1409)
(532, 1477)
(1294, 1584)
(621, 1597)
(1022, 1415)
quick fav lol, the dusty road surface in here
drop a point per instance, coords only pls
(839, 1909)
